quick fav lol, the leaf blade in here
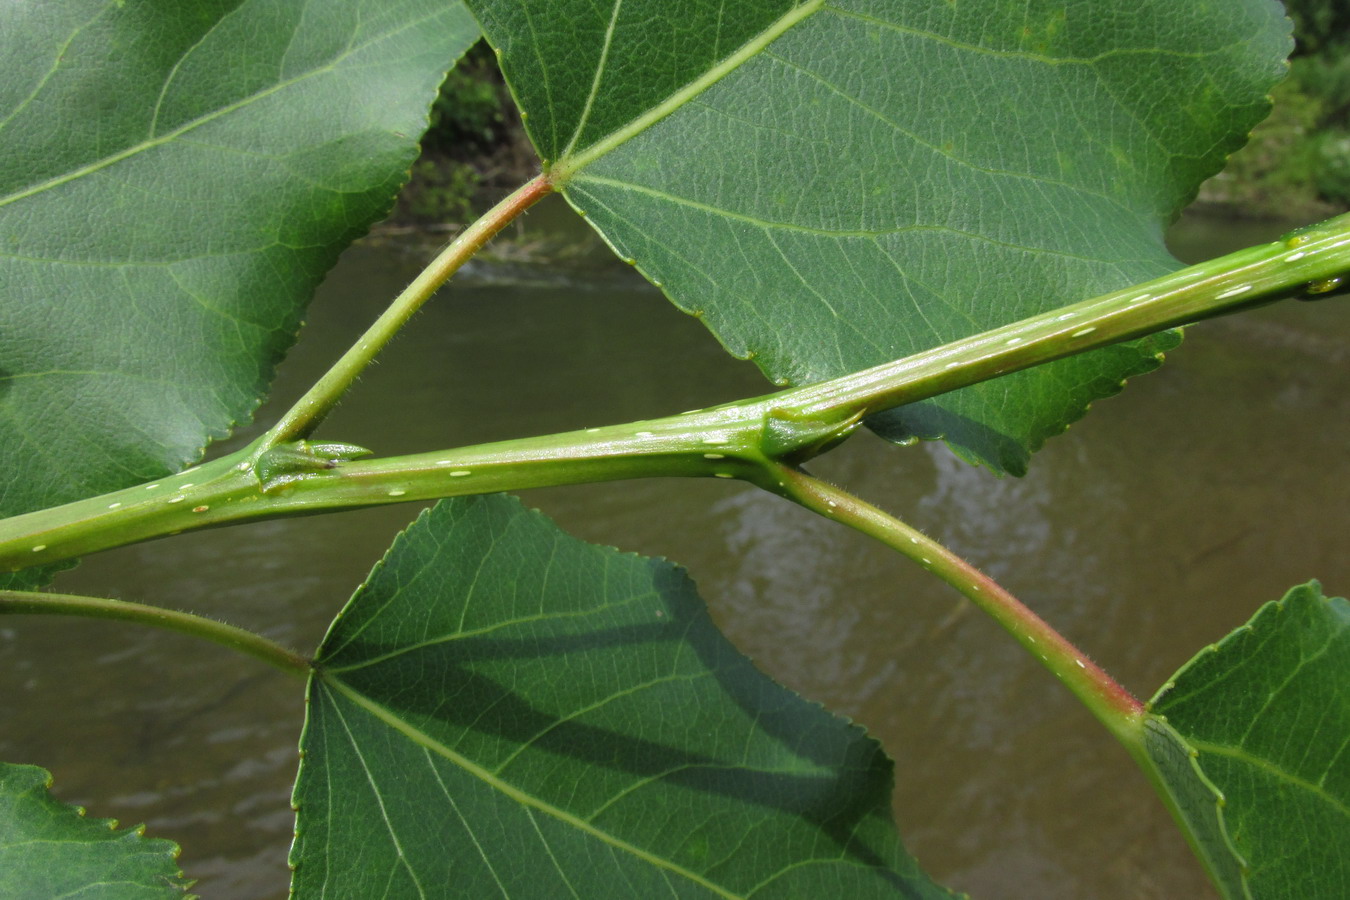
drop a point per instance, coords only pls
(49, 849)
(584, 725)
(878, 180)
(1266, 715)
(177, 180)
(1195, 802)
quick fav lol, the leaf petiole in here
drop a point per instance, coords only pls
(303, 417)
(240, 639)
(1112, 705)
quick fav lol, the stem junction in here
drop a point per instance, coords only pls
(282, 474)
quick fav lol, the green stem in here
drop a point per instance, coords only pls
(740, 440)
(301, 420)
(1304, 263)
(723, 442)
(1112, 704)
(255, 645)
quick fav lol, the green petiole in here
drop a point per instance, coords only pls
(239, 639)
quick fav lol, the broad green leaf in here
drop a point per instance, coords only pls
(505, 711)
(49, 849)
(1263, 720)
(175, 178)
(832, 185)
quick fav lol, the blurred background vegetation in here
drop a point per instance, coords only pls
(1296, 165)
(473, 149)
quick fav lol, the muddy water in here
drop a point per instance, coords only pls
(1154, 526)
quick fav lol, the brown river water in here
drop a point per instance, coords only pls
(1153, 527)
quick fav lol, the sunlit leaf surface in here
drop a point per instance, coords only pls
(48, 849)
(175, 179)
(1265, 720)
(832, 185)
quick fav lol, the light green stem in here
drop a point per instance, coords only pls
(1109, 702)
(1305, 263)
(301, 420)
(740, 440)
(247, 642)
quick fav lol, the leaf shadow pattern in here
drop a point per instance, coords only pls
(619, 709)
(985, 432)
(927, 421)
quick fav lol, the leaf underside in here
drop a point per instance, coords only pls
(831, 186)
(49, 849)
(176, 179)
(504, 710)
(1263, 718)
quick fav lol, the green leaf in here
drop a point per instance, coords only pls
(830, 186)
(1194, 801)
(31, 579)
(49, 849)
(504, 710)
(175, 180)
(1263, 721)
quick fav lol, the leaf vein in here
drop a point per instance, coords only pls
(580, 711)
(468, 829)
(1019, 54)
(873, 234)
(1242, 755)
(379, 800)
(53, 69)
(552, 857)
(168, 137)
(568, 166)
(585, 117)
(526, 800)
(984, 170)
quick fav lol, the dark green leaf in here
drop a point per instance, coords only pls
(1264, 717)
(504, 710)
(834, 185)
(48, 849)
(175, 180)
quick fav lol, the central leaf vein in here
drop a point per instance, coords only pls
(567, 166)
